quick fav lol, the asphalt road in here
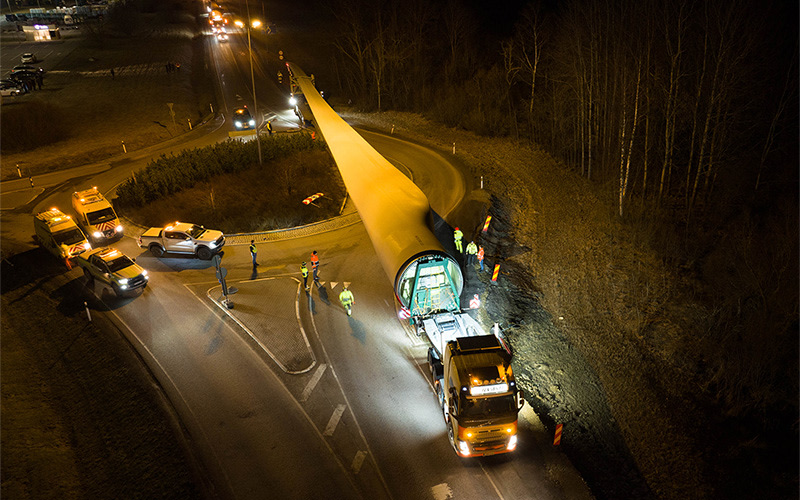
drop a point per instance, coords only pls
(284, 396)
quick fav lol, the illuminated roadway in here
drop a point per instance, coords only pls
(285, 396)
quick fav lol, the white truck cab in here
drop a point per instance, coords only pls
(95, 215)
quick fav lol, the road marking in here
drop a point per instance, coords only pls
(442, 492)
(334, 421)
(333, 284)
(347, 284)
(313, 382)
(358, 461)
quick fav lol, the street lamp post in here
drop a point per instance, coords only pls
(254, 24)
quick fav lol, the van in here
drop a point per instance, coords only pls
(57, 233)
(95, 215)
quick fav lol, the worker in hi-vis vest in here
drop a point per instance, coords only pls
(457, 235)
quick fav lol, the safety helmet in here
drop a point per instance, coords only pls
(304, 263)
(456, 228)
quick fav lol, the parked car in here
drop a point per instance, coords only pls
(112, 268)
(28, 57)
(242, 119)
(7, 90)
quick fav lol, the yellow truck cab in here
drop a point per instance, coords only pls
(95, 215)
(57, 233)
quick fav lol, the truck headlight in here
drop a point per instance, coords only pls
(87, 246)
(123, 282)
(463, 447)
(292, 101)
(119, 228)
(238, 124)
(512, 443)
(97, 234)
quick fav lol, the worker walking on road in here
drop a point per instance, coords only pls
(315, 266)
(269, 127)
(304, 272)
(347, 300)
(457, 235)
(480, 257)
(253, 252)
(472, 251)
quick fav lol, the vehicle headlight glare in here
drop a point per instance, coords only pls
(512, 442)
(144, 272)
(237, 123)
(292, 101)
(463, 447)
(119, 228)
(252, 123)
(97, 234)
(123, 282)
(212, 245)
(87, 246)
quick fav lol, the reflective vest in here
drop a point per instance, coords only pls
(314, 261)
(480, 253)
(457, 235)
(304, 271)
(472, 248)
(253, 249)
(346, 297)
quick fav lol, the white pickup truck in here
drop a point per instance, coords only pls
(183, 238)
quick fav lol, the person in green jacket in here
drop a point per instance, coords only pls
(347, 300)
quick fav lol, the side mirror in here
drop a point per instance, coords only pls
(520, 399)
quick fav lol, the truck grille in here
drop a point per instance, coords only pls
(137, 282)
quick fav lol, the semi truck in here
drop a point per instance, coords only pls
(470, 367)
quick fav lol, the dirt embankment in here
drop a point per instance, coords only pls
(604, 336)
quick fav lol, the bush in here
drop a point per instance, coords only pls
(171, 174)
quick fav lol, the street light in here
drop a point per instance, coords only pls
(254, 24)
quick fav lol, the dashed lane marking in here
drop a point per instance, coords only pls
(334, 420)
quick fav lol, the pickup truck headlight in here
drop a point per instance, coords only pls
(97, 234)
(123, 282)
(119, 228)
(212, 244)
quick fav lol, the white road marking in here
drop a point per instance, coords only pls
(333, 284)
(347, 284)
(358, 461)
(313, 382)
(334, 421)
(442, 492)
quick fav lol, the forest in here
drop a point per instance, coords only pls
(683, 116)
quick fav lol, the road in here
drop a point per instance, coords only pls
(285, 396)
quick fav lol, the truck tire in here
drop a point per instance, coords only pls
(156, 250)
(203, 253)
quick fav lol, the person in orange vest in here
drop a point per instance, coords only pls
(480, 257)
(315, 266)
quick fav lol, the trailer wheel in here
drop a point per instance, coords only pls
(156, 250)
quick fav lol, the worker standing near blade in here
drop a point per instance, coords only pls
(480, 257)
(304, 272)
(253, 252)
(457, 235)
(315, 266)
(472, 251)
(347, 300)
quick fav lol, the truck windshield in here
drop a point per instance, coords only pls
(481, 408)
(103, 215)
(119, 263)
(69, 236)
(196, 231)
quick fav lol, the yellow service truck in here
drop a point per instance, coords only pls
(57, 233)
(96, 215)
